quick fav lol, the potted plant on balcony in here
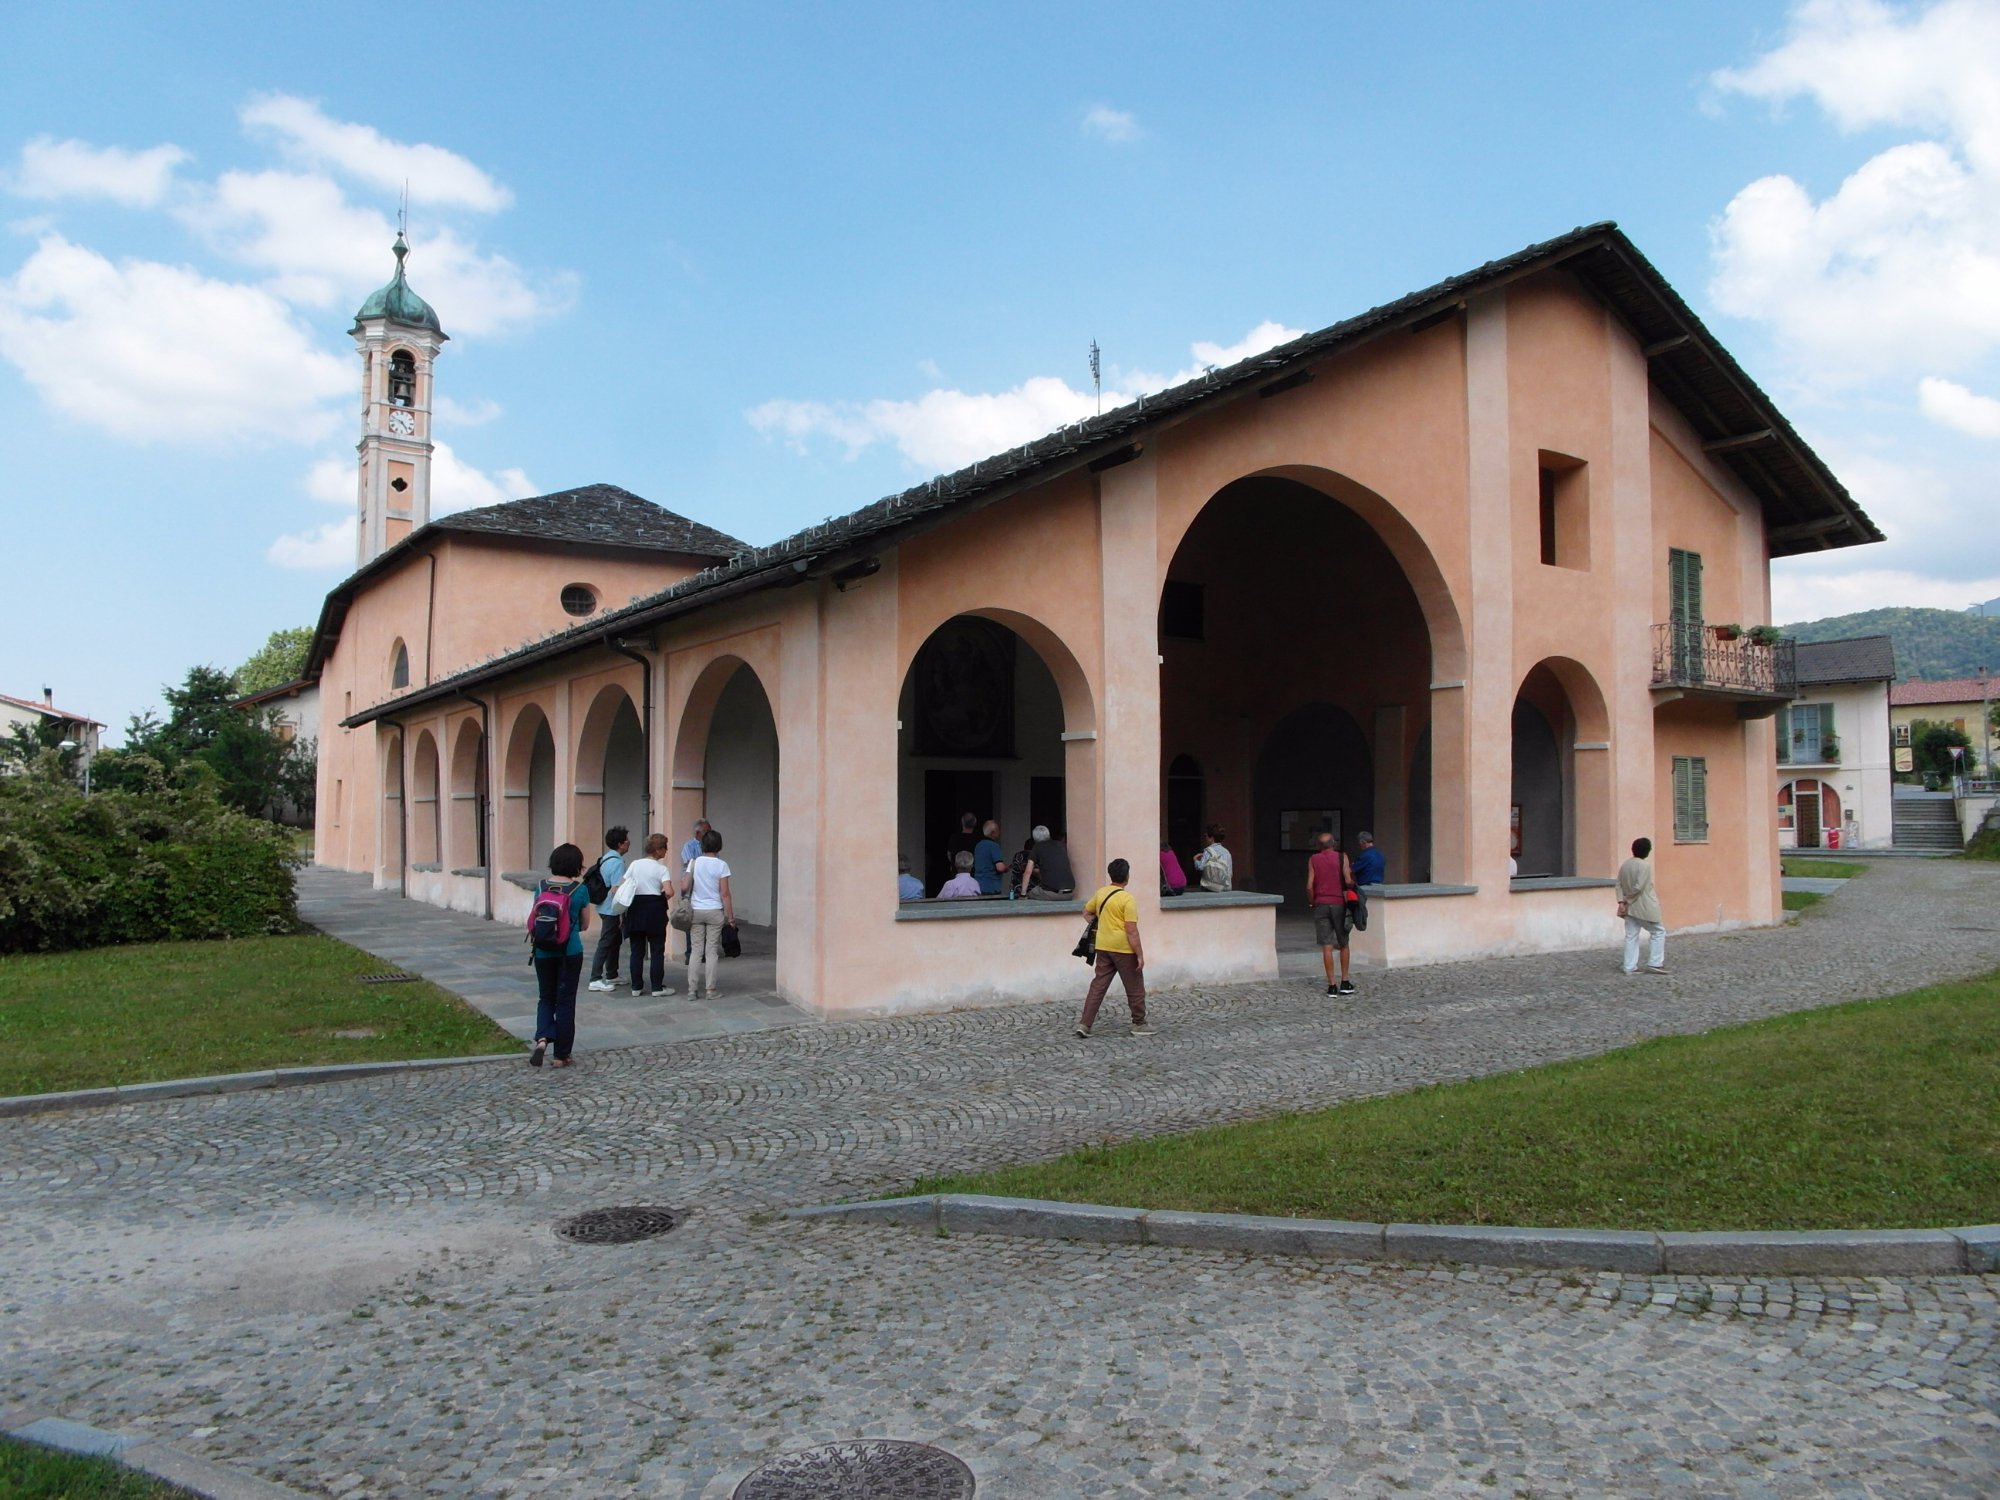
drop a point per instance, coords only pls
(1765, 635)
(1829, 748)
(1727, 632)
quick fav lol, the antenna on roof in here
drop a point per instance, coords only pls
(1097, 376)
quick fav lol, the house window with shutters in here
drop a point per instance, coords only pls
(1690, 799)
(1805, 734)
(1684, 600)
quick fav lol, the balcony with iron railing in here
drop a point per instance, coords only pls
(1704, 661)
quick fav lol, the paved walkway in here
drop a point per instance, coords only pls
(354, 1289)
(486, 964)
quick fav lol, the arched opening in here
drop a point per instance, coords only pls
(468, 823)
(1560, 822)
(727, 750)
(528, 795)
(399, 666)
(402, 379)
(1807, 808)
(1308, 643)
(1185, 806)
(390, 865)
(996, 722)
(424, 814)
(610, 772)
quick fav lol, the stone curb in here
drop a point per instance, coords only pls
(1831, 1252)
(230, 1083)
(146, 1454)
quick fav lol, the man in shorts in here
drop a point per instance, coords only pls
(1329, 877)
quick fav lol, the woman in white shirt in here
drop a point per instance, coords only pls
(646, 918)
(707, 888)
(1218, 870)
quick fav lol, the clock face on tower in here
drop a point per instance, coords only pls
(402, 423)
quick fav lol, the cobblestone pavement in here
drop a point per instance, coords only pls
(354, 1288)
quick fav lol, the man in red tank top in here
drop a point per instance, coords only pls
(1328, 879)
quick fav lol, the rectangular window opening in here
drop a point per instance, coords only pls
(1564, 511)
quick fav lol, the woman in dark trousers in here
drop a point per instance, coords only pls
(646, 918)
(556, 973)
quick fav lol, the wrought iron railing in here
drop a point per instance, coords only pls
(1697, 656)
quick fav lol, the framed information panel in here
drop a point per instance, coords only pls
(1299, 828)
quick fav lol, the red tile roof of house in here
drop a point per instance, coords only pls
(1951, 690)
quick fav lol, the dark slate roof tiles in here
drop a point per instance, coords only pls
(1866, 658)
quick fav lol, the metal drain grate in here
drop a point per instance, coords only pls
(880, 1470)
(616, 1226)
(388, 978)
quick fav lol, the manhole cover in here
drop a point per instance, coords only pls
(616, 1226)
(387, 978)
(885, 1470)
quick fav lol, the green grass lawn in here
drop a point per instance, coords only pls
(1824, 869)
(177, 1010)
(1880, 1114)
(1799, 900)
(29, 1472)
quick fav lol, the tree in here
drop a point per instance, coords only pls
(1933, 743)
(280, 660)
(257, 769)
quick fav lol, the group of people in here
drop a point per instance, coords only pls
(1214, 866)
(980, 865)
(634, 915)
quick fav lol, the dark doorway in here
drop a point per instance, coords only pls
(1184, 808)
(1316, 761)
(949, 794)
(1048, 807)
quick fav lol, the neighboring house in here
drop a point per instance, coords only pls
(296, 703)
(1443, 571)
(1958, 702)
(1833, 747)
(80, 728)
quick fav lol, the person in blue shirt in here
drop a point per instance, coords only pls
(611, 865)
(557, 973)
(908, 887)
(1368, 864)
(989, 861)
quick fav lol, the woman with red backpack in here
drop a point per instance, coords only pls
(556, 924)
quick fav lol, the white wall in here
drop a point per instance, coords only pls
(742, 797)
(1862, 774)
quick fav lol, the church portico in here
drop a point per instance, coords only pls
(1389, 577)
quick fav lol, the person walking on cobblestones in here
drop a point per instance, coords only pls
(610, 865)
(557, 971)
(1639, 905)
(1329, 879)
(1119, 950)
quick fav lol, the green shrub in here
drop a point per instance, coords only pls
(161, 858)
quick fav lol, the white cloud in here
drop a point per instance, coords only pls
(436, 177)
(74, 169)
(1116, 125)
(457, 485)
(947, 429)
(1798, 594)
(1951, 405)
(328, 546)
(152, 352)
(333, 481)
(1898, 271)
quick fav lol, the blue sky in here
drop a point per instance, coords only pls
(764, 265)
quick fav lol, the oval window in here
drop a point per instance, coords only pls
(579, 599)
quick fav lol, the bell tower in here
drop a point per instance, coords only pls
(399, 338)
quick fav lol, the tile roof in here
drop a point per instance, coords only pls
(600, 515)
(1805, 507)
(49, 711)
(1863, 658)
(591, 515)
(1948, 690)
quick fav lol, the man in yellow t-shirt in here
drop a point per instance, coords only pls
(1119, 950)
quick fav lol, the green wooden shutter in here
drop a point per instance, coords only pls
(1785, 734)
(1698, 777)
(1826, 723)
(1690, 799)
(1684, 592)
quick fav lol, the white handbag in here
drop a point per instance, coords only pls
(621, 898)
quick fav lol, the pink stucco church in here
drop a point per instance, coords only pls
(1446, 570)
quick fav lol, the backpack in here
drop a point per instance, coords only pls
(595, 884)
(549, 919)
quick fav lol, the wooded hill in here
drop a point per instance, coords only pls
(1930, 643)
